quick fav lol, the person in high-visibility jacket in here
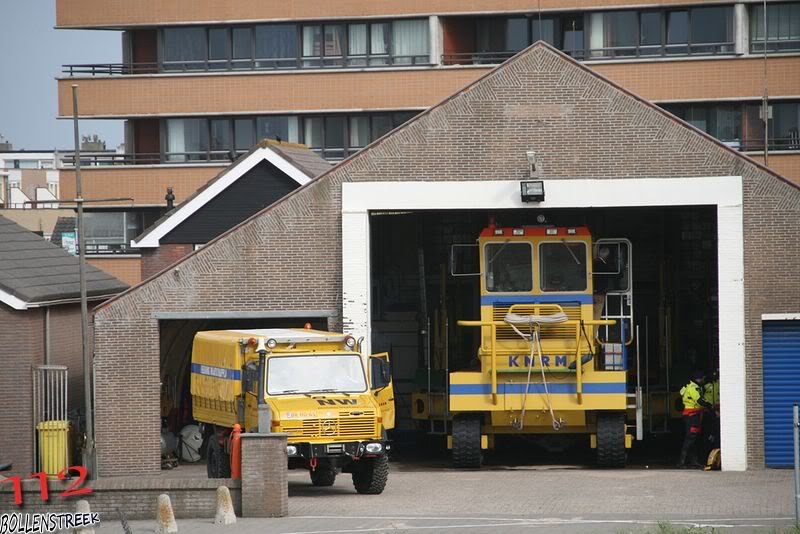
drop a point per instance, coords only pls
(693, 406)
(711, 422)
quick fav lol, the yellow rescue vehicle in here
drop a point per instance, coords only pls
(555, 327)
(334, 403)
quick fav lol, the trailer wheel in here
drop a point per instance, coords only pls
(611, 439)
(370, 475)
(323, 476)
(467, 441)
(219, 463)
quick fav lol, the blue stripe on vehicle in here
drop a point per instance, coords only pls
(216, 372)
(488, 300)
(589, 388)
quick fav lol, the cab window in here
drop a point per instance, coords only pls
(563, 266)
(509, 267)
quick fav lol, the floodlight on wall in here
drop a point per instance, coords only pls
(532, 190)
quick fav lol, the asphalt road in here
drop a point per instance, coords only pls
(424, 498)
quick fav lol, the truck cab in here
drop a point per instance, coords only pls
(334, 403)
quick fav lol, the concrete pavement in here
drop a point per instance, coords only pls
(545, 498)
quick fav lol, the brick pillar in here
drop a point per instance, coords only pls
(265, 478)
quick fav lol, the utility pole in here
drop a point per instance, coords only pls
(88, 450)
(765, 105)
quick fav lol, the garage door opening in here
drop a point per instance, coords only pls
(416, 302)
(183, 440)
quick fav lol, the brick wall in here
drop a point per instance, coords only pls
(143, 183)
(305, 91)
(155, 260)
(83, 13)
(137, 497)
(21, 346)
(787, 165)
(65, 348)
(125, 268)
(577, 123)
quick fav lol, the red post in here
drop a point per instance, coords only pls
(236, 452)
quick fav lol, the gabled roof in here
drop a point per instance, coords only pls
(35, 273)
(298, 162)
(430, 142)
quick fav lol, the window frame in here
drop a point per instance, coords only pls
(756, 46)
(586, 268)
(485, 270)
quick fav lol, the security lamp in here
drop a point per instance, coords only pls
(532, 191)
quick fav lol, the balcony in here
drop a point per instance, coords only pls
(244, 93)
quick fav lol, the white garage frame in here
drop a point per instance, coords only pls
(723, 192)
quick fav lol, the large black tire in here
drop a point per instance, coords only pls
(611, 439)
(370, 475)
(219, 463)
(323, 476)
(467, 441)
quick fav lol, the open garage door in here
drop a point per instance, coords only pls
(670, 253)
(176, 334)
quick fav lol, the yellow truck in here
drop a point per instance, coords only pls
(334, 403)
(555, 328)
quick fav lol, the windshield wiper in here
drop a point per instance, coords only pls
(574, 257)
(329, 390)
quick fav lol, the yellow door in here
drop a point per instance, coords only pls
(380, 377)
(250, 394)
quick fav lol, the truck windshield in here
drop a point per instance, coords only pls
(331, 373)
(509, 268)
(563, 266)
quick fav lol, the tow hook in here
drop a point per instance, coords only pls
(313, 464)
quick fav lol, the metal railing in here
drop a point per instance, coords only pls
(493, 350)
(50, 446)
(244, 65)
(775, 46)
(616, 52)
(116, 249)
(105, 159)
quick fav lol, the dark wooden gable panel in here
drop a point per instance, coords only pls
(258, 188)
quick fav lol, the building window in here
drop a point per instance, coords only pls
(187, 139)
(111, 232)
(740, 125)
(277, 46)
(572, 42)
(723, 121)
(280, 127)
(702, 30)
(184, 49)
(333, 136)
(783, 28)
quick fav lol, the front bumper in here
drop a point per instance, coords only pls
(353, 449)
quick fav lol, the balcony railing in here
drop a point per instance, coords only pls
(618, 52)
(775, 46)
(245, 65)
(117, 249)
(105, 159)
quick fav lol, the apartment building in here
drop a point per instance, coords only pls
(199, 84)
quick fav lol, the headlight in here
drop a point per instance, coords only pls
(349, 342)
(291, 450)
(272, 343)
(374, 447)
